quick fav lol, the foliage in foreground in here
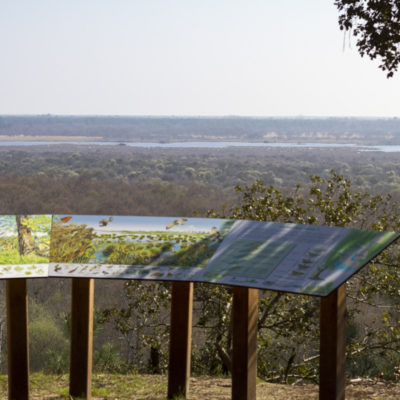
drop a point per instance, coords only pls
(288, 337)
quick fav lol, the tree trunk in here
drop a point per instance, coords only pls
(155, 360)
(26, 243)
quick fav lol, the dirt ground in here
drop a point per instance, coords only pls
(154, 387)
(220, 389)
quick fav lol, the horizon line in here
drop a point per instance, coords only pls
(205, 116)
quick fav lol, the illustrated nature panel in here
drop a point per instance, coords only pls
(24, 245)
(304, 259)
(134, 247)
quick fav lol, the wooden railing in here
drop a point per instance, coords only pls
(244, 339)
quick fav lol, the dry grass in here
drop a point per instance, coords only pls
(154, 387)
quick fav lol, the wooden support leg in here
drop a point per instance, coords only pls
(333, 345)
(244, 343)
(18, 346)
(180, 339)
(80, 382)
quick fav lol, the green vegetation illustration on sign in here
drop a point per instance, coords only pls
(24, 245)
(134, 247)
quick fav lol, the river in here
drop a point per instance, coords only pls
(210, 145)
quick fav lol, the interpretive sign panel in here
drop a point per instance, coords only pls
(294, 258)
(24, 245)
(303, 259)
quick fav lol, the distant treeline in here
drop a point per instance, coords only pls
(361, 130)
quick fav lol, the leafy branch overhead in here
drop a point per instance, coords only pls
(376, 26)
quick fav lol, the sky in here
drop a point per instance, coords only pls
(186, 57)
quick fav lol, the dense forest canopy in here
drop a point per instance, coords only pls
(78, 179)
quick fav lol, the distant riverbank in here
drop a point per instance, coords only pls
(31, 138)
(210, 144)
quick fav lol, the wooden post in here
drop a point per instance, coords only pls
(180, 339)
(18, 345)
(80, 381)
(244, 343)
(332, 371)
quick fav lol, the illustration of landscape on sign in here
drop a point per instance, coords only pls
(163, 248)
(24, 245)
(305, 259)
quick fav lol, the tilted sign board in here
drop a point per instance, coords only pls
(305, 259)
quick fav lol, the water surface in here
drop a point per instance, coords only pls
(209, 145)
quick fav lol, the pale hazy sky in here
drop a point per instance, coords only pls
(185, 57)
